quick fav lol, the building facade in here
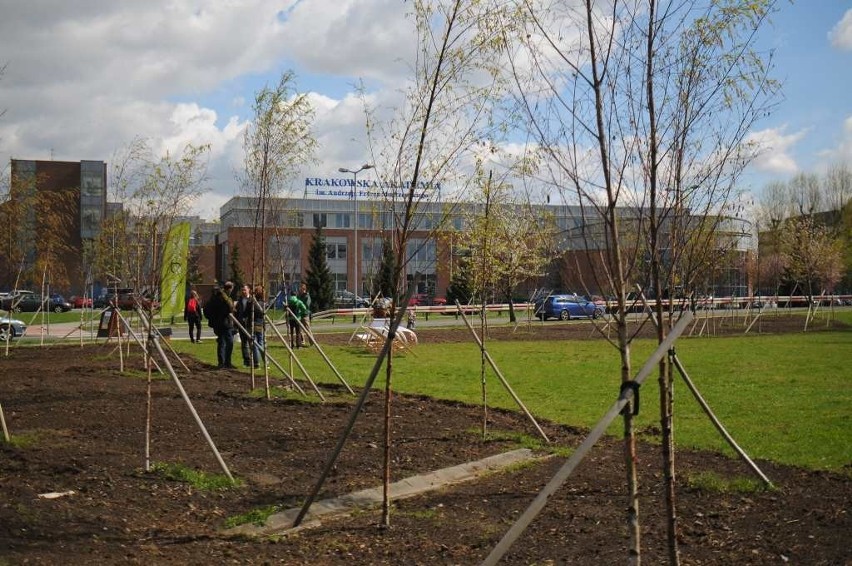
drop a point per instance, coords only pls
(284, 241)
(65, 200)
(280, 238)
(437, 240)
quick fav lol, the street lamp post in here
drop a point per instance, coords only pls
(355, 207)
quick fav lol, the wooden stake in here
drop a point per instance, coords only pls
(192, 410)
(500, 376)
(577, 456)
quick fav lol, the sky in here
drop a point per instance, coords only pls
(83, 79)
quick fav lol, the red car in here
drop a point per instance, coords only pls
(80, 302)
(422, 299)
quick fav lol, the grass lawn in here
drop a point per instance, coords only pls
(782, 397)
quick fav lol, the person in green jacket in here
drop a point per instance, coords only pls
(296, 312)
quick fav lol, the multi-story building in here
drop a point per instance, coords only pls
(283, 238)
(76, 192)
(432, 255)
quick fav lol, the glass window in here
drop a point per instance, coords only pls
(339, 281)
(341, 220)
(371, 250)
(320, 220)
(424, 251)
(335, 251)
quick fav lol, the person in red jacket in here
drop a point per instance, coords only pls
(192, 315)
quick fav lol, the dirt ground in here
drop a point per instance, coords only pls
(79, 427)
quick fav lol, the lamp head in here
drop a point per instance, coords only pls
(344, 170)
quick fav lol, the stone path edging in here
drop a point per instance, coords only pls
(281, 523)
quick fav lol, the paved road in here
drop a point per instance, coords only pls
(72, 330)
(346, 323)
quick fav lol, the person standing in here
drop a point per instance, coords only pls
(243, 312)
(305, 297)
(296, 312)
(411, 322)
(218, 311)
(258, 327)
(192, 316)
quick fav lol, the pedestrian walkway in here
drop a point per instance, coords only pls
(282, 523)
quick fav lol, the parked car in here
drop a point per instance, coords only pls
(126, 299)
(9, 300)
(422, 299)
(11, 328)
(58, 303)
(348, 300)
(566, 307)
(27, 301)
(81, 302)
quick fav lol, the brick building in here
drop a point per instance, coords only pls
(77, 191)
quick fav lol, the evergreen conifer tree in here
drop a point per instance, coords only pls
(237, 275)
(384, 278)
(318, 276)
(461, 285)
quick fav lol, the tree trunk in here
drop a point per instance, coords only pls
(667, 427)
(482, 363)
(634, 548)
(387, 441)
(629, 451)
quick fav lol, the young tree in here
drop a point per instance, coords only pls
(447, 110)
(318, 275)
(513, 242)
(277, 143)
(13, 249)
(111, 261)
(806, 215)
(643, 115)
(837, 187)
(53, 231)
(37, 228)
(846, 245)
(813, 255)
(156, 191)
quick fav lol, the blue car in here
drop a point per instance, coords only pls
(566, 307)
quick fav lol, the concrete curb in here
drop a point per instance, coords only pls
(282, 523)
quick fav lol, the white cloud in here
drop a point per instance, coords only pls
(774, 149)
(356, 38)
(843, 152)
(84, 79)
(841, 35)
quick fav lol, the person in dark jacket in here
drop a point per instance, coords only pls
(258, 327)
(305, 297)
(192, 316)
(243, 312)
(218, 311)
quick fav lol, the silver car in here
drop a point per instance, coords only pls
(11, 328)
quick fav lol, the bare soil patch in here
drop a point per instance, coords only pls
(84, 428)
